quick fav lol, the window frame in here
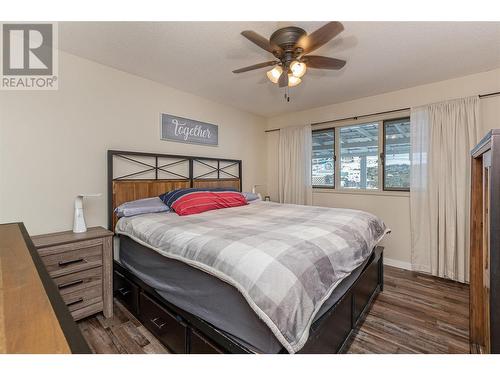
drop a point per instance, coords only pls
(381, 188)
(383, 155)
(334, 159)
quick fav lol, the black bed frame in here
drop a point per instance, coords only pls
(182, 332)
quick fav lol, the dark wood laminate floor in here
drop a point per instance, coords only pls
(415, 313)
(121, 334)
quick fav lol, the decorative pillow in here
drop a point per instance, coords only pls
(169, 197)
(200, 201)
(141, 206)
(251, 196)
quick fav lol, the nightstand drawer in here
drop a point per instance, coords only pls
(69, 258)
(79, 280)
(80, 298)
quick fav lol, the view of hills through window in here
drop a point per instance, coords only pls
(323, 158)
(397, 154)
(359, 156)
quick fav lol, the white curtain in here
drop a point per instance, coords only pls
(442, 136)
(294, 160)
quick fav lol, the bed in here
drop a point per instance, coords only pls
(194, 308)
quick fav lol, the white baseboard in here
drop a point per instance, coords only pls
(397, 263)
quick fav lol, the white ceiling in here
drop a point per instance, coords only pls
(198, 57)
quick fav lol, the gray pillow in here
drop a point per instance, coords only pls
(250, 196)
(141, 206)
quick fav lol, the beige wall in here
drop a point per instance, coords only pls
(53, 144)
(392, 208)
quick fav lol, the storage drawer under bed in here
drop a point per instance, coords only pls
(200, 345)
(167, 327)
(127, 292)
(329, 332)
(364, 289)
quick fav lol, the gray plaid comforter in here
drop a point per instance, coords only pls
(284, 259)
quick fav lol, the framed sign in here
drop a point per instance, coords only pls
(180, 129)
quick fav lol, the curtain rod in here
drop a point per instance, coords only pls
(379, 113)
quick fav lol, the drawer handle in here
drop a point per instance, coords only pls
(67, 262)
(119, 274)
(74, 302)
(159, 325)
(124, 291)
(71, 283)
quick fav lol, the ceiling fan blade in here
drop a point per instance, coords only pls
(319, 37)
(262, 42)
(283, 80)
(322, 62)
(255, 66)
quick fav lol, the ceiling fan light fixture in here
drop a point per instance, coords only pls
(274, 74)
(298, 68)
(293, 81)
(291, 47)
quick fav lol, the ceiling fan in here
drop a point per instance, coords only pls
(290, 46)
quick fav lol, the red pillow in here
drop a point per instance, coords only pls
(201, 201)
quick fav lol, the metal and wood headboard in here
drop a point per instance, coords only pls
(136, 175)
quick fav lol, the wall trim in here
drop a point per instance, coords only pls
(398, 264)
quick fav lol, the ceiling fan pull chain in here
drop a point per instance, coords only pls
(287, 94)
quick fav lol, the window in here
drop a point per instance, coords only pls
(323, 158)
(359, 156)
(397, 154)
(370, 156)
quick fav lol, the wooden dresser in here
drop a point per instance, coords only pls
(33, 317)
(485, 246)
(81, 266)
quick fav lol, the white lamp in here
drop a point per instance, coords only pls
(275, 73)
(79, 220)
(298, 68)
(293, 81)
(254, 189)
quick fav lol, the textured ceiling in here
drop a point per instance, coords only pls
(198, 57)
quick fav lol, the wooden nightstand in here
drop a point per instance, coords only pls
(81, 265)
